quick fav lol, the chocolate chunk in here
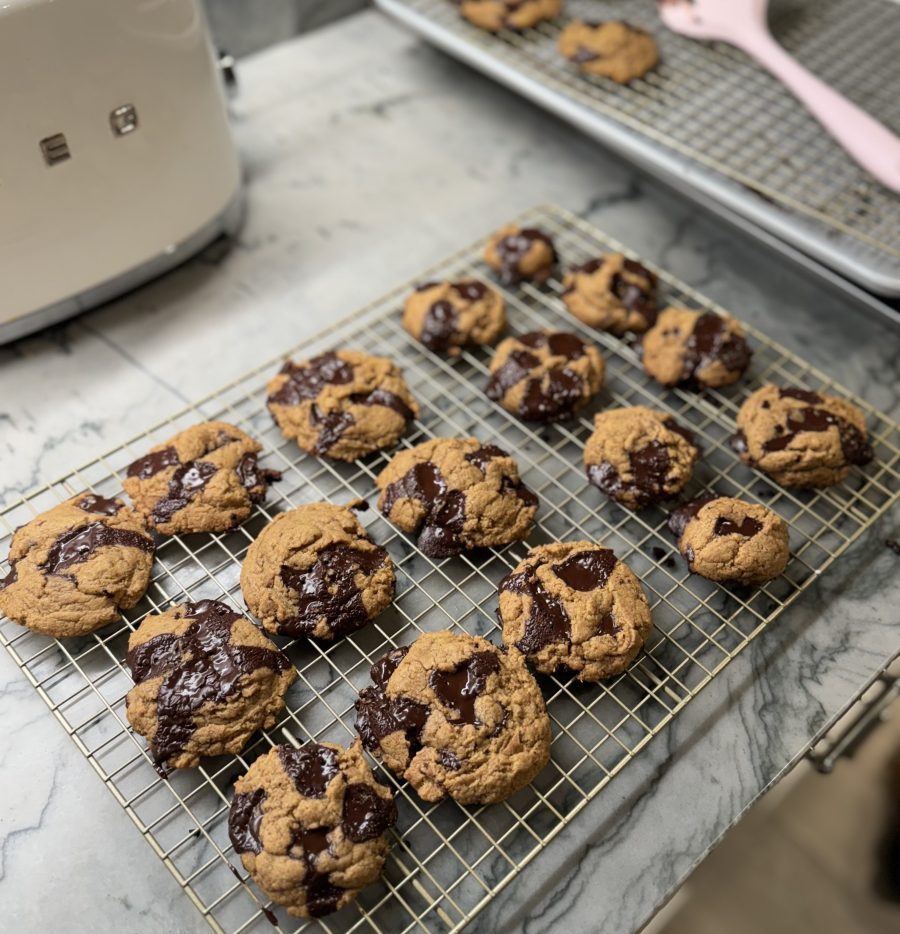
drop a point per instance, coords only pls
(439, 535)
(548, 621)
(586, 570)
(449, 760)
(201, 666)
(10, 578)
(244, 819)
(649, 467)
(515, 368)
(512, 248)
(555, 400)
(484, 455)
(305, 381)
(385, 397)
(805, 395)
(187, 481)
(854, 445)
(439, 327)
(635, 297)
(311, 767)
(679, 519)
(748, 527)
(253, 476)
(378, 715)
(91, 502)
(148, 465)
(382, 670)
(328, 589)
(367, 814)
(77, 545)
(470, 289)
(330, 425)
(322, 896)
(459, 688)
(711, 341)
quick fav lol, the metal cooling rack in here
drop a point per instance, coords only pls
(447, 861)
(709, 107)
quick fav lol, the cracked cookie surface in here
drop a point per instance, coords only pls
(206, 679)
(454, 494)
(520, 254)
(692, 347)
(494, 15)
(456, 717)
(342, 404)
(611, 49)
(545, 376)
(639, 456)
(450, 315)
(73, 567)
(726, 539)
(574, 605)
(314, 571)
(801, 438)
(204, 479)
(611, 293)
(311, 826)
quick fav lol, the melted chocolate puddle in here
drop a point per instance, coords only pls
(77, 545)
(306, 381)
(187, 481)
(328, 589)
(710, 341)
(99, 504)
(378, 715)
(148, 465)
(201, 666)
(244, 819)
(311, 768)
(854, 445)
(459, 688)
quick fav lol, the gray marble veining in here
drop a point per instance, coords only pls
(369, 156)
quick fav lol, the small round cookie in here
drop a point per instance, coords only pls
(574, 605)
(693, 347)
(314, 571)
(455, 493)
(342, 404)
(73, 567)
(206, 679)
(610, 49)
(612, 293)
(726, 539)
(204, 479)
(545, 376)
(494, 15)
(801, 438)
(639, 456)
(456, 717)
(311, 826)
(521, 253)
(447, 316)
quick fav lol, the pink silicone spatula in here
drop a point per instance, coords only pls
(742, 23)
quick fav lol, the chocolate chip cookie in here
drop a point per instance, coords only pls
(204, 479)
(610, 49)
(206, 679)
(73, 567)
(545, 376)
(456, 717)
(695, 348)
(311, 826)
(801, 438)
(494, 15)
(314, 571)
(575, 606)
(611, 293)
(639, 456)
(519, 254)
(726, 539)
(342, 404)
(456, 493)
(447, 316)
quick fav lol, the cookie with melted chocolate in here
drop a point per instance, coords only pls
(314, 571)
(454, 494)
(206, 478)
(206, 679)
(612, 293)
(574, 606)
(520, 254)
(73, 567)
(342, 404)
(494, 15)
(311, 826)
(639, 456)
(729, 540)
(693, 348)
(450, 315)
(610, 49)
(545, 376)
(801, 438)
(456, 717)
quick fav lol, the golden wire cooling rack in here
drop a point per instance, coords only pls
(447, 861)
(713, 123)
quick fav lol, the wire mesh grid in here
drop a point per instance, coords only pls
(712, 103)
(447, 861)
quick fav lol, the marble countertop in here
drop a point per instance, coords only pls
(368, 156)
